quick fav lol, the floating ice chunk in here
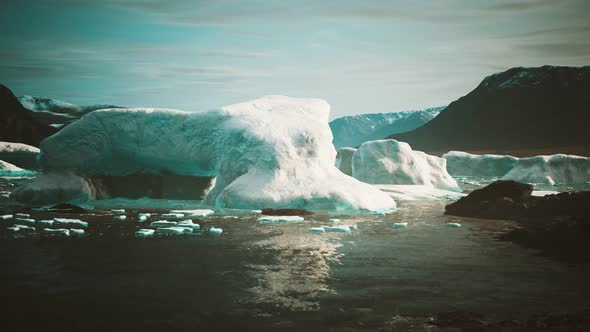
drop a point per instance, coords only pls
(317, 230)
(256, 211)
(144, 216)
(25, 221)
(24, 228)
(64, 222)
(22, 215)
(4, 195)
(6, 217)
(273, 219)
(13, 229)
(120, 218)
(118, 211)
(45, 223)
(189, 223)
(173, 215)
(337, 229)
(400, 225)
(335, 221)
(353, 228)
(162, 223)
(58, 231)
(215, 231)
(453, 225)
(194, 213)
(76, 231)
(174, 230)
(144, 232)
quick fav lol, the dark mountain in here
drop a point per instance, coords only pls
(18, 124)
(523, 111)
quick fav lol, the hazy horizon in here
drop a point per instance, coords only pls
(372, 57)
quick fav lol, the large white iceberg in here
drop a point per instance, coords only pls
(392, 162)
(19, 154)
(553, 169)
(466, 164)
(272, 152)
(344, 160)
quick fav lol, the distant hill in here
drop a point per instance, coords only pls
(523, 111)
(56, 112)
(18, 124)
(351, 131)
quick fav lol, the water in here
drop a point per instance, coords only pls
(279, 276)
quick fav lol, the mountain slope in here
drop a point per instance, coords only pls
(18, 124)
(351, 131)
(522, 109)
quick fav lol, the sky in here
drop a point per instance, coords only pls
(360, 56)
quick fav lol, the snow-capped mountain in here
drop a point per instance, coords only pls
(351, 131)
(56, 112)
(525, 111)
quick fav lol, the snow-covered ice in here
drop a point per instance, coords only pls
(344, 160)
(64, 222)
(278, 219)
(145, 232)
(553, 169)
(215, 231)
(162, 223)
(466, 164)
(194, 213)
(392, 162)
(272, 152)
(173, 230)
(57, 231)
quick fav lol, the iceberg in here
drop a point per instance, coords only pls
(400, 225)
(392, 162)
(22, 215)
(8, 169)
(55, 188)
(173, 230)
(77, 231)
(57, 222)
(334, 220)
(272, 152)
(118, 211)
(453, 225)
(172, 215)
(6, 217)
(120, 218)
(215, 231)
(163, 223)
(144, 232)
(466, 164)
(344, 160)
(25, 221)
(275, 219)
(316, 230)
(190, 224)
(553, 169)
(57, 231)
(45, 223)
(194, 213)
(19, 154)
(337, 229)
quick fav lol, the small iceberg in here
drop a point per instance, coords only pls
(76, 231)
(45, 223)
(193, 213)
(24, 228)
(25, 221)
(335, 221)
(145, 232)
(173, 215)
(163, 223)
(400, 225)
(189, 223)
(215, 231)
(58, 231)
(6, 217)
(453, 225)
(273, 219)
(316, 230)
(174, 230)
(144, 216)
(57, 222)
(120, 218)
(337, 229)
(118, 211)
(22, 215)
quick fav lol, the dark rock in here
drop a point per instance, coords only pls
(18, 124)
(286, 212)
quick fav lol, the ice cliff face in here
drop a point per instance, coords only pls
(352, 131)
(393, 162)
(466, 164)
(344, 160)
(272, 152)
(553, 169)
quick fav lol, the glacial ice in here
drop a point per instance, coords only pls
(6, 217)
(145, 232)
(466, 164)
(272, 152)
(392, 162)
(344, 160)
(279, 219)
(64, 222)
(553, 169)
(215, 231)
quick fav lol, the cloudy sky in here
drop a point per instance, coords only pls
(361, 56)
